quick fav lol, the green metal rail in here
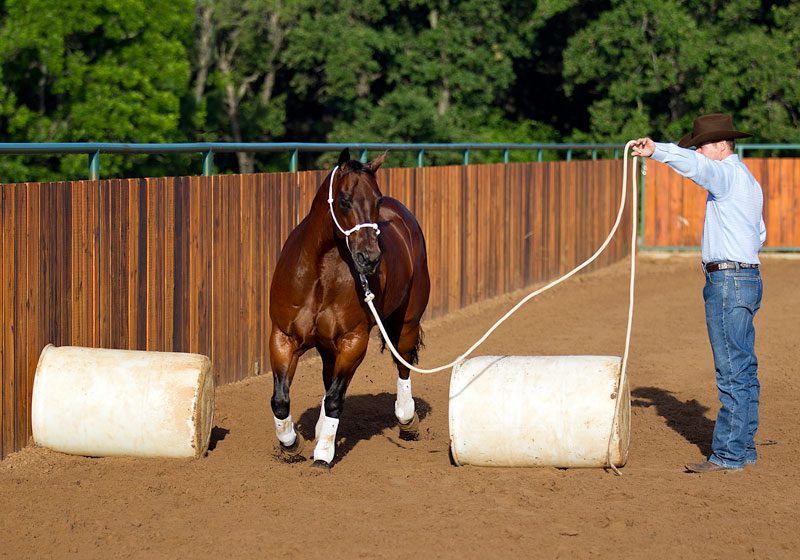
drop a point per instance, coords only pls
(208, 149)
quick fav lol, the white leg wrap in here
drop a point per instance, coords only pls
(326, 443)
(318, 427)
(284, 429)
(404, 405)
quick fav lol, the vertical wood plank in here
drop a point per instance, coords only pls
(217, 266)
(154, 261)
(650, 185)
(118, 251)
(262, 276)
(21, 342)
(8, 213)
(236, 306)
(35, 339)
(93, 197)
(168, 262)
(204, 207)
(179, 291)
(785, 217)
(250, 300)
(104, 264)
(133, 241)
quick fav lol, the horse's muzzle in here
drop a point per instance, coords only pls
(366, 261)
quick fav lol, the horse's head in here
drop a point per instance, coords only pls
(354, 199)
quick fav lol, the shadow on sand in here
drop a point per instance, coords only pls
(687, 418)
(364, 416)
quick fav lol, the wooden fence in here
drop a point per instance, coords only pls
(185, 263)
(674, 207)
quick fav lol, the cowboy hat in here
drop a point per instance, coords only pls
(711, 128)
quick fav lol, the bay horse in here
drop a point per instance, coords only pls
(352, 237)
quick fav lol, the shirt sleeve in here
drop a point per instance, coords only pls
(709, 174)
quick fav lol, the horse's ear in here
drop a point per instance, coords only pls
(377, 162)
(344, 157)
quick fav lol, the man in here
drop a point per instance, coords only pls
(733, 233)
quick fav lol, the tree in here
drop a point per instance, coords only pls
(236, 94)
(114, 70)
(405, 70)
(756, 72)
(338, 56)
(652, 69)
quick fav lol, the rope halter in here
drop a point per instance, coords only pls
(335, 221)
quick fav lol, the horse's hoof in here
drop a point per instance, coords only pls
(410, 430)
(321, 465)
(296, 448)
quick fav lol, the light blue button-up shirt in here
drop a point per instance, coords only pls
(734, 228)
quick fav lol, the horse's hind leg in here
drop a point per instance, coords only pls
(408, 343)
(283, 354)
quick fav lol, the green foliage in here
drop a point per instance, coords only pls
(402, 71)
(653, 68)
(102, 70)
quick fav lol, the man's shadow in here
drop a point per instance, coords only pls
(686, 418)
(364, 416)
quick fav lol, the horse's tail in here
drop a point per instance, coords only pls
(413, 358)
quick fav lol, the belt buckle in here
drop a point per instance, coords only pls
(717, 266)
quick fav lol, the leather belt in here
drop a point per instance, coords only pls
(725, 265)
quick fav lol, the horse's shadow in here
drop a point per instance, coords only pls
(687, 418)
(364, 416)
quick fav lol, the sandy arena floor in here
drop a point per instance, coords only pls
(387, 498)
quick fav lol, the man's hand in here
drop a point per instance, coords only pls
(643, 147)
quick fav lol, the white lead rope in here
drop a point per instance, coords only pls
(623, 375)
(369, 296)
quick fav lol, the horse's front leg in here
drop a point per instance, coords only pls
(408, 344)
(283, 355)
(349, 353)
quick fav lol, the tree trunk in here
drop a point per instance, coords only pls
(276, 36)
(205, 51)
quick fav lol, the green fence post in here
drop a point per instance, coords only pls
(540, 155)
(208, 163)
(466, 156)
(569, 154)
(420, 158)
(363, 156)
(94, 166)
(505, 155)
(293, 161)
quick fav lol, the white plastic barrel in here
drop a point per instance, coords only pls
(98, 402)
(526, 411)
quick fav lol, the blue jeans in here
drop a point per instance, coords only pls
(732, 299)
